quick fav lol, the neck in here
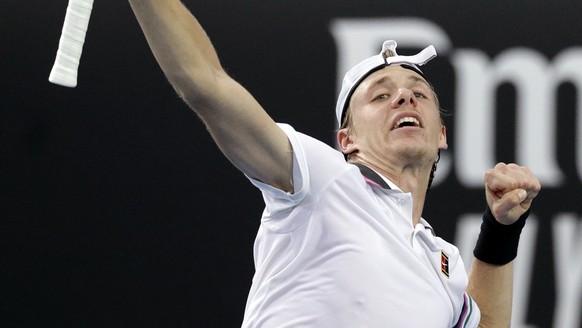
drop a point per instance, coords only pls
(409, 178)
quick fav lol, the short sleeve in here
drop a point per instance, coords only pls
(276, 200)
(470, 315)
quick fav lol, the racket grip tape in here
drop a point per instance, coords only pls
(66, 65)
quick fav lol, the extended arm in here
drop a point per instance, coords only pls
(248, 137)
(510, 190)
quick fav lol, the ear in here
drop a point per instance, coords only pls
(443, 138)
(345, 141)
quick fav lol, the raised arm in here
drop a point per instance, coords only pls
(244, 132)
(510, 190)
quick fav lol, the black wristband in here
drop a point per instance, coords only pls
(497, 243)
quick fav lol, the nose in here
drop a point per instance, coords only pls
(403, 97)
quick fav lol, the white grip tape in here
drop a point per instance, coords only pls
(64, 71)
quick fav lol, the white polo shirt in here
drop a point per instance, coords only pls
(342, 252)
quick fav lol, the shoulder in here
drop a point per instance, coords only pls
(309, 148)
(315, 163)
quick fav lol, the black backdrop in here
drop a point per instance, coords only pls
(116, 209)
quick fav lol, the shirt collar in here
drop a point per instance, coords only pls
(374, 178)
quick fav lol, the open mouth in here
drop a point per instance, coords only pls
(407, 121)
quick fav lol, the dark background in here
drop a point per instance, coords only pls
(116, 208)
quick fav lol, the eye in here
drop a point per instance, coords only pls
(419, 94)
(382, 97)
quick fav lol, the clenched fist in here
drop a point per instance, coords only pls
(510, 190)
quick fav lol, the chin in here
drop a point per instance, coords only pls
(412, 152)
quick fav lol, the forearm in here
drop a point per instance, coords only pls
(491, 286)
(491, 274)
(179, 44)
(509, 190)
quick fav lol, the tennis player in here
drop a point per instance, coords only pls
(342, 241)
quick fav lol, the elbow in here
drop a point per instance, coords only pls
(197, 88)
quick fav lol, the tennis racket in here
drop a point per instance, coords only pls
(66, 66)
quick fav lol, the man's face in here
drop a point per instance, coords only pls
(394, 115)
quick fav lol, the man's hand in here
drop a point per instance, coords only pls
(510, 190)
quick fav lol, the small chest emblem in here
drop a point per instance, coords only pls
(444, 264)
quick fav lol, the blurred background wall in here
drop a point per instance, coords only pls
(117, 210)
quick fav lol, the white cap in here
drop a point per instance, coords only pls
(387, 57)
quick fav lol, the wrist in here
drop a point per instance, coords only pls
(498, 243)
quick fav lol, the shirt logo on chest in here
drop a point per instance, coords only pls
(444, 264)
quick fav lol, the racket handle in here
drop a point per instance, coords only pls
(65, 68)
